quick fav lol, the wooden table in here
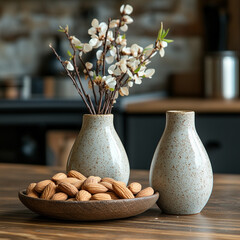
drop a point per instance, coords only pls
(199, 105)
(219, 220)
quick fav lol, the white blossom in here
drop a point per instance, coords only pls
(75, 41)
(89, 65)
(95, 42)
(124, 28)
(136, 49)
(110, 36)
(109, 59)
(137, 79)
(127, 19)
(113, 51)
(121, 40)
(111, 69)
(124, 91)
(126, 50)
(86, 47)
(99, 54)
(133, 63)
(149, 73)
(126, 9)
(114, 23)
(69, 66)
(110, 81)
(130, 83)
(97, 28)
(114, 70)
(161, 45)
(122, 65)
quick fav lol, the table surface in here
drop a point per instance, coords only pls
(220, 219)
(199, 105)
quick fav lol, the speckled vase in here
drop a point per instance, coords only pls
(181, 170)
(98, 150)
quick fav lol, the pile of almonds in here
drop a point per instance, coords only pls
(76, 187)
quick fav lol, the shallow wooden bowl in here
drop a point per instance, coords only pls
(89, 210)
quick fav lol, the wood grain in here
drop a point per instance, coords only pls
(220, 219)
(197, 105)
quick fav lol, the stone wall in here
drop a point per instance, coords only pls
(27, 27)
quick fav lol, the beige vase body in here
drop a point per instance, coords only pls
(98, 150)
(181, 171)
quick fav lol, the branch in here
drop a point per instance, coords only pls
(84, 65)
(77, 72)
(105, 48)
(71, 77)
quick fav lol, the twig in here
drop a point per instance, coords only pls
(84, 65)
(105, 48)
(73, 80)
(77, 72)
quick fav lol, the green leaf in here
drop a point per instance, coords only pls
(168, 40)
(111, 89)
(160, 32)
(69, 54)
(94, 75)
(137, 70)
(78, 47)
(165, 33)
(124, 36)
(145, 49)
(61, 30)
(67, 28)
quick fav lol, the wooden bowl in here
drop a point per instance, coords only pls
(89, 210)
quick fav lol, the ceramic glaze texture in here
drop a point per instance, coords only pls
(98, 150)
(181, 171)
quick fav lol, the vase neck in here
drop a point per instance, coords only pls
(180, 119)
(98, 120)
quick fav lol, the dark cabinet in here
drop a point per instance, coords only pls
(219, 134)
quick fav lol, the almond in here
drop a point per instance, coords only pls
(68, 188)
(33, 194)
(107, 185)
(71, 199)
(135, 187)
(49, 191)
(78, 184)
(145, 192)
(76, 174)
(122, 191)
(30, 188)
(83, 195)
(60, 196)
(95, 188)
(41, 185)
(98, 179)
(112, 195)
(101, 196)
(68, 180)
(59, 176)
(90, 179)
(107, 179)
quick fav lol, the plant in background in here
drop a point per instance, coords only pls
(118, 66)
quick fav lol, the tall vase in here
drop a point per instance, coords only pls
(181, 171)
(98, 151)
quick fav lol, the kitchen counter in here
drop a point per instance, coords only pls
(196, 104)
(220, 219)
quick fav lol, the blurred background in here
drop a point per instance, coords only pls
(41, 112)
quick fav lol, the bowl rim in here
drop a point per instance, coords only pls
(23, 193)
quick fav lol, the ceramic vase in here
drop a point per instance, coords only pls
(181, 170)
(98, 150)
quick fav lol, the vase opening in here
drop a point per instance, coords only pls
(180, 111)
